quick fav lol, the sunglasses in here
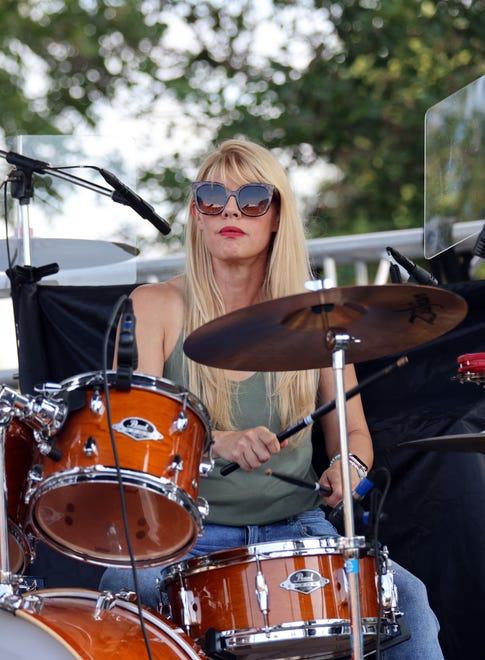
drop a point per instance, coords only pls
(252, 199)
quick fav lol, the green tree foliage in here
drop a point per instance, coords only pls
(358, 102)
(82, 53)
(340, 83)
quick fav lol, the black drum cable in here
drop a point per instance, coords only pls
(124, 514)
(376, 511)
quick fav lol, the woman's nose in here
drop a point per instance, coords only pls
(231, 207)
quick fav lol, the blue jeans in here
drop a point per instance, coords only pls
(412, 595)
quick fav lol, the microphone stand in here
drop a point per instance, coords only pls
(22, 188)
(337, 341)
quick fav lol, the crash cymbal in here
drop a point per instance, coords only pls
(289, 333)
(466, 442)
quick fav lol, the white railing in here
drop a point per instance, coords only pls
(326, 255)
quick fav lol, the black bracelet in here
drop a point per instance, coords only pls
(361, 462)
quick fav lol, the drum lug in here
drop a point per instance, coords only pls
(206, 464)
(32, 603)
(342, 595)
(262, 594)
(90, 448)
(190, 608)
(176, 466)
(105, 601)
(181, 423)
(127, 596)
(389, 595)
(203, 507)
(388, 591)
(44, 443)
(34, 476)
(96, 405)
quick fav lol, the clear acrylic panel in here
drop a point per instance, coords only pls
(454, 168)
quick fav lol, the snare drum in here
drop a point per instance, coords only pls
(273, 600)
(471, 368)
(19, 452)
(160, 433)
(65, 624)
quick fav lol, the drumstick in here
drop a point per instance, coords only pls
(309, 485)
(327, 407)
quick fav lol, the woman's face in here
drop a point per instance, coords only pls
(233, 236)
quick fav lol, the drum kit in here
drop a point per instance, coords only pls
(111, 476)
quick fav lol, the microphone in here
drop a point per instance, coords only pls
(416, 273)
(361, 517)
(124, 195)
(127, 356)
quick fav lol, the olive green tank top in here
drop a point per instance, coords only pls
(253, 498)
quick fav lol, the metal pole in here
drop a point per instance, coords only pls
(4, 556)
(338, 340)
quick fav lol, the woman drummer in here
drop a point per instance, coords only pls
(245, 245)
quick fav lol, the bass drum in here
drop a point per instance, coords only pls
(65, 624)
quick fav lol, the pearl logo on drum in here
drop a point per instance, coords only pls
(304, 581)
(138, 428)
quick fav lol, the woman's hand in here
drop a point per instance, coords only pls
(332, 478)
(249, 448)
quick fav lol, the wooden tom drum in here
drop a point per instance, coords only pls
(160, 433)
(281, 599)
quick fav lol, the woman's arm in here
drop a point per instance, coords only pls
(359, 439)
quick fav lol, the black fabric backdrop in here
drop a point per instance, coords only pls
(435, 525)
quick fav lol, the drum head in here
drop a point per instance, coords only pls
(71, 625)
(25, 638)
(84, 519)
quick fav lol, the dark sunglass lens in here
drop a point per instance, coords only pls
(211, 198)
(254, 200)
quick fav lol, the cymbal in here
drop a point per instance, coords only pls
(290, 333)
(69, 252)
(466, 442)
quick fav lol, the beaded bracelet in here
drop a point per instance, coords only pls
(336, 458)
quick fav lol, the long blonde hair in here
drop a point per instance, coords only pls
(287, 271)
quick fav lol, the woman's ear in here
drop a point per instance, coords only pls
(275, 225)
(195, 214)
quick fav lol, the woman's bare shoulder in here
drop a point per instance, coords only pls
(159, 313)
(170, 292)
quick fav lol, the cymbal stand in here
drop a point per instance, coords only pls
(337, 340)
